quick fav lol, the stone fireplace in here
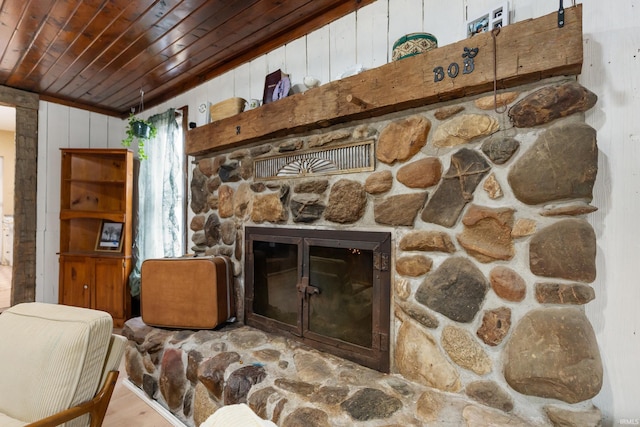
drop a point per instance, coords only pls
(490, 263)
(483, 197)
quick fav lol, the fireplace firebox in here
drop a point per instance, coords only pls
(327, 288)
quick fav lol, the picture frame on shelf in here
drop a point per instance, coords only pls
(276, 86)
(110, 236)
(497, 17)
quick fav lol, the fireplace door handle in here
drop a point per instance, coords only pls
(306, 289)
(311, 290)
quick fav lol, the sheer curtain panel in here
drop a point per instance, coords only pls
(159, 225)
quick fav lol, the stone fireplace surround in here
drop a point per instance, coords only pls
(492, 260)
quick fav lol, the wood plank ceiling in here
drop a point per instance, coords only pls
(99, 54)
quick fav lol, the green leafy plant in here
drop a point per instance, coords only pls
(139, 130)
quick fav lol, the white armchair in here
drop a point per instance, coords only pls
(58, 364)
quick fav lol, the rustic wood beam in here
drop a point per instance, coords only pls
(23, 287)
(18, 98)
(525, 52)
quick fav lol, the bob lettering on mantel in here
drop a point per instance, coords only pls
(454, 68)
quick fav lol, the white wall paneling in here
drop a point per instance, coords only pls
(445, 20)
(186, 99)
(99, 129)
(57, 133)
(221, 88)
(371, 36)
(277, 60)
(258, 73)
(296, 61)
(342, 43)
(405, 16)
(80, 127)
(318, 48)
(527, 9)
(242, 81)
(612, 70)
(115, 132)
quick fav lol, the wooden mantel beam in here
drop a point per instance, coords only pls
(526, 52)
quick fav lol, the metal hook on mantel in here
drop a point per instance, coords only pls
(494, 34)
(561, 15)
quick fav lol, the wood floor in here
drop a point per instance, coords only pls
(127, 409)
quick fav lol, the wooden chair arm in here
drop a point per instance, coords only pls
(96, 407)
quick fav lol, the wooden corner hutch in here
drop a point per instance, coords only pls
(96, 230)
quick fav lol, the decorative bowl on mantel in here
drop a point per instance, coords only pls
(413, 44)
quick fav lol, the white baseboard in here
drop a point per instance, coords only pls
(164, 412)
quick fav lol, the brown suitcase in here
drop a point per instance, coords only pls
(188, 292)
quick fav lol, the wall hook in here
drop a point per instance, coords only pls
(560, 15)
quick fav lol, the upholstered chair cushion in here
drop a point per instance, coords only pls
(117, 346)
(51, 358)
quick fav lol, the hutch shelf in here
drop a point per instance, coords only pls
(95, 230)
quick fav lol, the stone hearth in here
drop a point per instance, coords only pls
(193, 373)
(491, 264)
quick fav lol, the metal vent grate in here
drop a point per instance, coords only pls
(349, 158)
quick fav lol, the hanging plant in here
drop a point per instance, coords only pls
(140, 130)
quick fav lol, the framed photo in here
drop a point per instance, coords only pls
(276, 80)
(495, 18)
(110, 236)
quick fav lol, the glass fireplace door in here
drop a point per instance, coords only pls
(327, 288)
(277, 265)
(342, 307)
(273, 299)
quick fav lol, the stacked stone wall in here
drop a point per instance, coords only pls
(487, 200)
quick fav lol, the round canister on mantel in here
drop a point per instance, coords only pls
(413, 44)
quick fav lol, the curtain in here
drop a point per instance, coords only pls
(159, 221)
